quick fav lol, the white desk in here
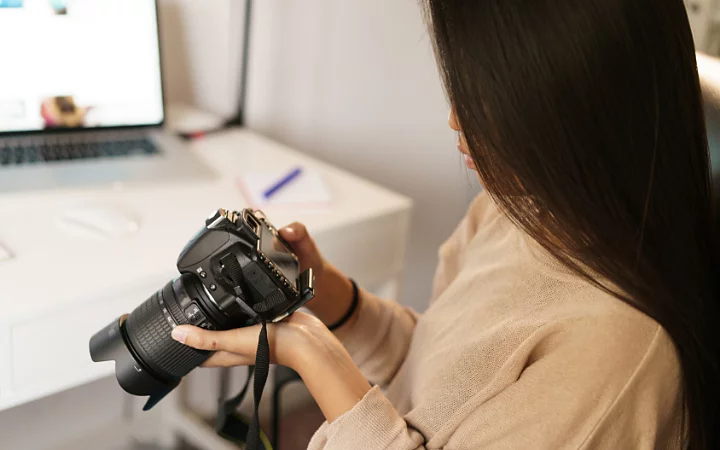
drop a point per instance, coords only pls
(60, 289)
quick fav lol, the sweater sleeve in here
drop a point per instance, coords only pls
(373, 424)
(619, 391)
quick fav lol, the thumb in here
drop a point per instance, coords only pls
(294, 233)
(241, 341)
(302, 244)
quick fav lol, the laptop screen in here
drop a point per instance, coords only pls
(79, 64)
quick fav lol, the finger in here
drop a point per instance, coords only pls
(303, 245)
(242, 341)
(294, 232)
(227, 359)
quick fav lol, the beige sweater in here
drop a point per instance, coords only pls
(514, 352)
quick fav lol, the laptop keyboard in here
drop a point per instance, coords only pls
(47, 152)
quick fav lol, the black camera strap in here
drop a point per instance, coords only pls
(227, 407)
(227, 424)
(261, 371)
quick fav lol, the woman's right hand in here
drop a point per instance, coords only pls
(333, 290)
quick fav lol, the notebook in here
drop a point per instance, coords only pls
(307, 191)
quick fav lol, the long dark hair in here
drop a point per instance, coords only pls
(585, 120)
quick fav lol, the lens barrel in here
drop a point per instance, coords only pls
(148, 329)
(148, 361)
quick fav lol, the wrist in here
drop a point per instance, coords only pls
(334, 295)
(349, 315)
(332, 378)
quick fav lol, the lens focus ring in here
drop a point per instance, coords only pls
(149, 333)
(169, 299)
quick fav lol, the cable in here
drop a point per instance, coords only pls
(239, 119)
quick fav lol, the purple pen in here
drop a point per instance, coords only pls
(282, 182)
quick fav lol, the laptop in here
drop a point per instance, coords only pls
(81, 97)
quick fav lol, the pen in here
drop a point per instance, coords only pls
(282, 182)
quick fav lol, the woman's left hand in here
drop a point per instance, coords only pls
(301, 342)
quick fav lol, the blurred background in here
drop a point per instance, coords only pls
(705, 20)
(352, 83)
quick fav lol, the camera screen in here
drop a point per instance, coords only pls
(278, 253)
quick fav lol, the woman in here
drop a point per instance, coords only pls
(575, 304)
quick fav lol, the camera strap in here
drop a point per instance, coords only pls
(228, 425)
(227, 407)
(254, 440)
(262, 370)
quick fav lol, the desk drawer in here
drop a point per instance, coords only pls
(51, 351)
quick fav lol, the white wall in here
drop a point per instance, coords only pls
(354, 83)
(201, 52)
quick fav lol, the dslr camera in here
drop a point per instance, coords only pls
(237, 271)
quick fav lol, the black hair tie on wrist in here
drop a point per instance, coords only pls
(350, 311)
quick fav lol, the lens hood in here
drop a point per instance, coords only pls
(111, 344)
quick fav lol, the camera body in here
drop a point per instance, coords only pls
(268, 283)
(235, 272)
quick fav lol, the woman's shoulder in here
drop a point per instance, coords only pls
(607, 375)
(451, 253)
(482, 210)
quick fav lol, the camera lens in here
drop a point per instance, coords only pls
(148, 330)
(148, 361)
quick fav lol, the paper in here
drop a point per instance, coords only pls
(306, 190)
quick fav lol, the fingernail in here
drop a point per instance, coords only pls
(290, 231)
(179, 335)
